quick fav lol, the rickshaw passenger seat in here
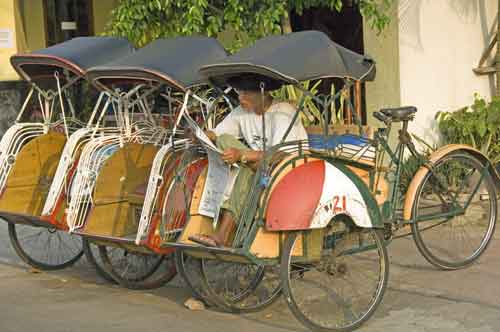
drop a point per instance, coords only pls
(141, 189)
(398, 114)
(138, 195)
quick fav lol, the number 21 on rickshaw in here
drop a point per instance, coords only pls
(336, 205)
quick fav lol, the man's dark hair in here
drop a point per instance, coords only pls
(251, 82)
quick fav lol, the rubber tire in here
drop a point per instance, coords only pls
(143, 284)
(179, 263)
(32, 262)
(93, 261)
(422, 248)
(288, 245)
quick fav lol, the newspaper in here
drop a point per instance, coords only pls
(220, 175)
(201, 136)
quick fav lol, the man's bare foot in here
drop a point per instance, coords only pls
(205, 240)
(221, 237)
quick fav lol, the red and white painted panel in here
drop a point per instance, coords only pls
(310, 195)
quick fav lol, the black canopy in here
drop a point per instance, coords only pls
(291, 58)
(76, 55)
(172, 61)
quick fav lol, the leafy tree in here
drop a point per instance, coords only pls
(142, 21)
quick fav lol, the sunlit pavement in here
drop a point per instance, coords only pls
(419, 298)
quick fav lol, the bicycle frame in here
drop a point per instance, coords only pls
(405, 143)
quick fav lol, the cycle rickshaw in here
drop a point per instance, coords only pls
(119, 179)
(322, 211)
(38, 156)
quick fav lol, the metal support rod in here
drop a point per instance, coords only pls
(181, 114)
(294, 118)
(263, 118)
(25, 104)
(70, 105)
(347, 108)
(94, 111)
(142, 96)
(61, 104)
(103, 112)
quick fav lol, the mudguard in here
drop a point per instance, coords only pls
(433, 158)
(311, 194)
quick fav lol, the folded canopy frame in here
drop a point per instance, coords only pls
(65, 63)
(62, 66)
(76, 55)
(173, 62)
(293, 58)
(168, 66)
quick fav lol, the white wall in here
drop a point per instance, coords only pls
(440, 41)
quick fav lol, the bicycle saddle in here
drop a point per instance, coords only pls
(400, 113)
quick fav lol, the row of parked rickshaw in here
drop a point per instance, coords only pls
(124, 186)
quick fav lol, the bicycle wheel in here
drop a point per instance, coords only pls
(189, 268)
(341, 289)
(241, 287)
(135, 270)
(91, 250)
(45, 248)
(449, 232)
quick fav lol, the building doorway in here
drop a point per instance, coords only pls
(66, 19)
(344, 28)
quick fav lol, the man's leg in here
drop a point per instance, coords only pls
(225, 229)
(232, 207)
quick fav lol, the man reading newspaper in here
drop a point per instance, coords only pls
(245, 122)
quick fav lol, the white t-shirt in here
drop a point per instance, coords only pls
(248, 125)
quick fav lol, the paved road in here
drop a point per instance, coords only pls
(419, 299)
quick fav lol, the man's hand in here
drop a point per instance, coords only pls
(231, 155)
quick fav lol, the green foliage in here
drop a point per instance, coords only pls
(313, 114)
(477, 125)
(376, 12)
(142, 21)
(411, 163)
